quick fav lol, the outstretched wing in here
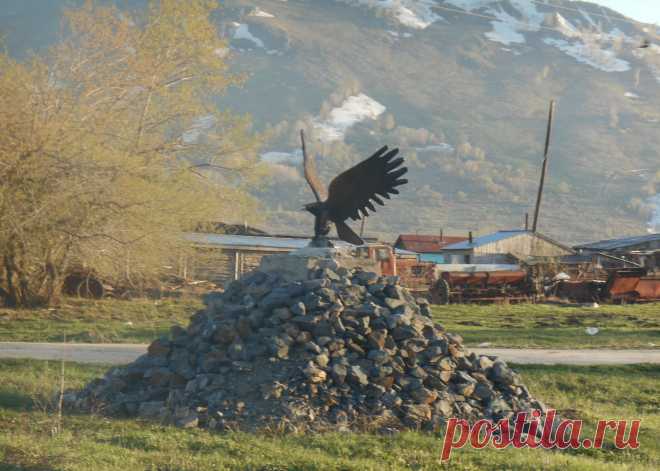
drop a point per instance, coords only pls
(347, 234)
(351, 193)
(310, 172)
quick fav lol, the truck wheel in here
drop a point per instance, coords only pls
(440, 293)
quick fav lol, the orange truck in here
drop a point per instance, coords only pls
(414, 275)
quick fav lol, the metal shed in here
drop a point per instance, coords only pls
(505, 247)
(643, 250)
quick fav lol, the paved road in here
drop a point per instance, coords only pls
(111, 353)
(125, 353)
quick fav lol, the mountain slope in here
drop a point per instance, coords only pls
(479, 86)
(462, 87)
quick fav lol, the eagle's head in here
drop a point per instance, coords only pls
(314, 208)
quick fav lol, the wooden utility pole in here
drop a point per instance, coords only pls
(544, 169)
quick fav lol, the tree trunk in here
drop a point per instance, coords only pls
(11, 296)
(18, 285)
(53, 282)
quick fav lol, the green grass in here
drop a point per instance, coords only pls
(102, 321)
(521, 325)
(88, 442)
(553, 326)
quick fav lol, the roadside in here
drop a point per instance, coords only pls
(125, 353)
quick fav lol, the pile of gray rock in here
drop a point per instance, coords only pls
(342, 349)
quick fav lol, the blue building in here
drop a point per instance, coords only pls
(429, 247)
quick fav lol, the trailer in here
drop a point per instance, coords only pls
(633, 285)
(414, 275)
(481, 284)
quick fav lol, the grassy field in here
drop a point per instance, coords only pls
(30, 439)
(553, 325)
(103, 321)
(522, 325)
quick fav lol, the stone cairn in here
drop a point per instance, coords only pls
(332, 348)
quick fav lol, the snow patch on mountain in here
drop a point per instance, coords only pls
(353, 110)
(261, 13)
(243, 32)
(565, 27)
(590, 54)
(631, 95)
(397, 35)
(507, 29)
(416, 14)
(591, 45)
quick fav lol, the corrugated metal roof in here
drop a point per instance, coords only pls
(483, 240)
(426, 243)
(238, 241)
(501, 235)
(613, 244)
(405, 252)
(263, 242)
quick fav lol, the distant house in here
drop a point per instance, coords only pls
(643, 250)
(504, 247)
(429, 247)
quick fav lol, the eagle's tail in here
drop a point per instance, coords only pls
(346, 233)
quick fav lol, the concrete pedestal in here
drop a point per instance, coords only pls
(296, 265)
